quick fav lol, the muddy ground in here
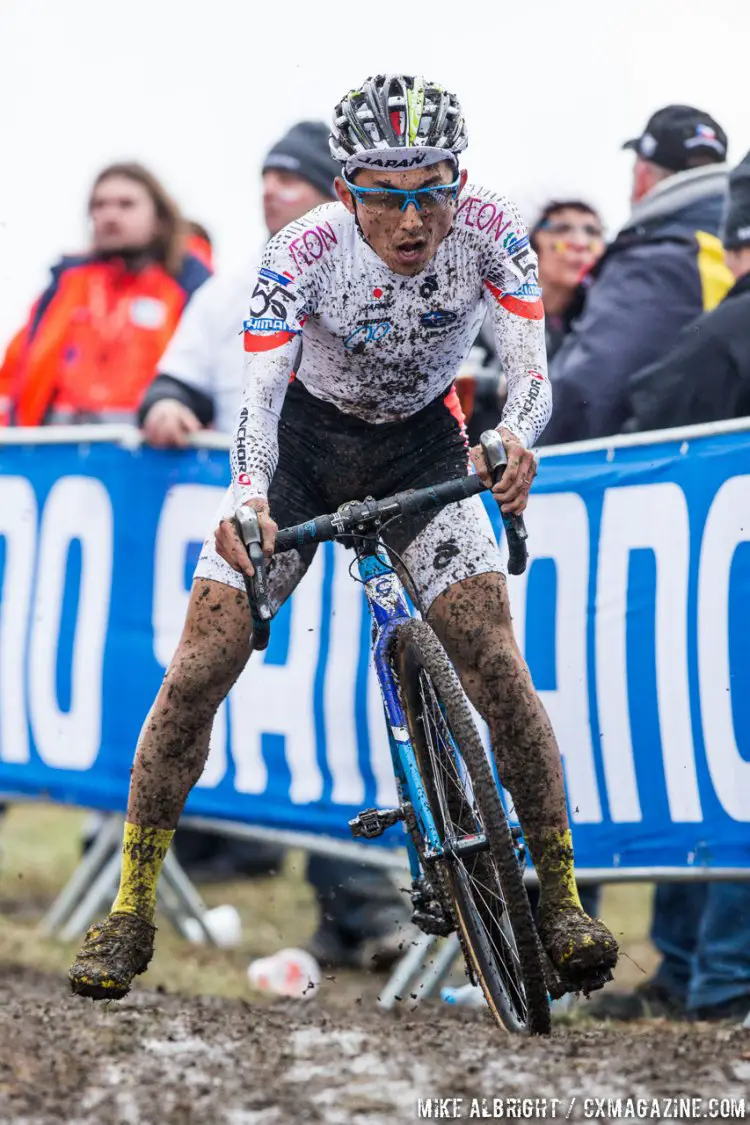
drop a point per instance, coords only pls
(160, 1059)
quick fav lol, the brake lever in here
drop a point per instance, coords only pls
(248, 527)
(515, 528)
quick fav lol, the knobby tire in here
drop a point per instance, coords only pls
(421, 664)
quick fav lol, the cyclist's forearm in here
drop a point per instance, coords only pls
(255, 449)
(523, 353)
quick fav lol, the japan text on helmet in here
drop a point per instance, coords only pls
(397, 122)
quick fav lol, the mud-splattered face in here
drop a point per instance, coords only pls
(405, 240)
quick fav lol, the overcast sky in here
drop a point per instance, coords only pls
(199, 90)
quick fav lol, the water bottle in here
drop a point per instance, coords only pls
(468, 996)
(223, 923)
(290, 972)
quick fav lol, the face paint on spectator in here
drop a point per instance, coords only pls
(568, 242)
(286, 196)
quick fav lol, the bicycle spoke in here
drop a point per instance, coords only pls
(510, 943)
(478, 869)
(511, 973)
(460, 819)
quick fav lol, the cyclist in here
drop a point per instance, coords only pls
(387, 289)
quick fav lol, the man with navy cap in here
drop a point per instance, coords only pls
(701, 929)
(705, 377)
(664, 268)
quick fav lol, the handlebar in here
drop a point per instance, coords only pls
(367, 517)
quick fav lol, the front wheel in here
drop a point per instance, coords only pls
(483, 879)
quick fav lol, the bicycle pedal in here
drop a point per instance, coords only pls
(371, 823)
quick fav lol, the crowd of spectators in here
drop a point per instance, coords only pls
(647, 332)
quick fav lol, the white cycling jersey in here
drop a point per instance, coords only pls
(379, 345)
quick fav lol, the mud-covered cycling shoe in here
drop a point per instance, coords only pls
(582, 950)
(113, 952)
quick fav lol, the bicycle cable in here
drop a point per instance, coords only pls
(391, 570)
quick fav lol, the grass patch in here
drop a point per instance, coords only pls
(40, 847)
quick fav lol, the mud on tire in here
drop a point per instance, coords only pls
(514, 986)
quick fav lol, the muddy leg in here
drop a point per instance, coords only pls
(173, 745)
(472, 619)
(172, 751)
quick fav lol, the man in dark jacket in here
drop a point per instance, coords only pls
(705, 377)
(701, 929)
(663, 269)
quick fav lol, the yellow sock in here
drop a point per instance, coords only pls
(552, 853)
(143, 852)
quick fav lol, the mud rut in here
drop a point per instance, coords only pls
(159, 1059)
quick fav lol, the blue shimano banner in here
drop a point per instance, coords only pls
(633, 616)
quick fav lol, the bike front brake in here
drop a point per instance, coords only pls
(248, 527)
(515, 528)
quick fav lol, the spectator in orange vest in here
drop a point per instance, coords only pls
(94, 337)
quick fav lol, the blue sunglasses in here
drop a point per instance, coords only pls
(396, 199)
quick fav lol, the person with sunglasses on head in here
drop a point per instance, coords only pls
(385, 290)
(568, 238)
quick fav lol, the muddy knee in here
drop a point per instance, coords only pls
(200, 676)
(472, 619)
(213, 650)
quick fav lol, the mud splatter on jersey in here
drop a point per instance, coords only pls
(378, 345)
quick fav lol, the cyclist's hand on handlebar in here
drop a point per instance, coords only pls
(230, 546)
(512, 490)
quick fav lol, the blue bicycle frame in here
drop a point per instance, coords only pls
(389, 609)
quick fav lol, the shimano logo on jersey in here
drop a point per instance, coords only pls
(528, 290)
(267, 324)
(240, 440)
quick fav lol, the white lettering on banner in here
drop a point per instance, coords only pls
(727, 525)
(76, 508)
(187, 511)
(278, 699)
(652, 517)
(561, 533)
(18, 523)
(347, 607)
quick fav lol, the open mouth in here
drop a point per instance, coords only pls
(411, 251)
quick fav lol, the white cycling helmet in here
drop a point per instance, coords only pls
(397, 121)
